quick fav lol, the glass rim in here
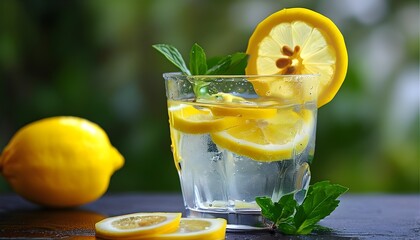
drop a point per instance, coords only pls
(180, 74)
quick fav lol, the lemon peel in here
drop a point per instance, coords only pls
(60, 161)
(298, 41)
(138, 225)
(191, 119)
(196, 229)
(270, 139)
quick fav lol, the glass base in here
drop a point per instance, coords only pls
(236, 221)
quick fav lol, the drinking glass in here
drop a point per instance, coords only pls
(238, 137)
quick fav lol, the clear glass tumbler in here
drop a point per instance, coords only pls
(235, 138)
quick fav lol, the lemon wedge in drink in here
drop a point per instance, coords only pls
(138, 225)
(197, 229)
(272, 139)
(234, 106)
(246, 113)
(298, 41)
(191, 119)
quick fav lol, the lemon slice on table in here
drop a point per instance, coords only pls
(191, 119)
(137, 225)
(197, 228)
(268, 140)
(298, 41)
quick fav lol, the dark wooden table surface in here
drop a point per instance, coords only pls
(357, 217)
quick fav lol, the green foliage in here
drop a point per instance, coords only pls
(291, 218)
(198, 60)
(230, 64)
(175, 57)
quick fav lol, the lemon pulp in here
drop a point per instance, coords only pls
(260, 133)
(159, 225)
(196, 229)
(190, 118)
(272, 139)
(137, 225)
(298, 41)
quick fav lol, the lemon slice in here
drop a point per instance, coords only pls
(272, 139)
(298, 41)
(191, 119)
(227, 104)
(197, 228)
(246, 113)
(175, 139)
(137, 225)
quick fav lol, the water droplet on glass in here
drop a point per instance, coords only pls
(240, 90)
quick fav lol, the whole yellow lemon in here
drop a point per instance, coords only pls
(60, 161)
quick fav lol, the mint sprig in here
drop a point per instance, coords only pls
(174, 56)
(233, 64)
(291, 218)
(198, 60)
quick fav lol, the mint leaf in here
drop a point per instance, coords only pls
(320, 202)
(281, 212)
(268, 209)
(238, 64)
(234, 64)
(173, 55)
(198, 61)
(221, 66)
(291, 218)
(287, 204)
(287, 225)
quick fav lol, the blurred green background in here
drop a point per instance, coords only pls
(94, 59)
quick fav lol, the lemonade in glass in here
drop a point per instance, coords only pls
(232, 144)
(237, 138)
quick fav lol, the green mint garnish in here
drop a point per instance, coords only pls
(199, 64)
(291, 218)
(173, 55)
(234, 64)
(198, 60)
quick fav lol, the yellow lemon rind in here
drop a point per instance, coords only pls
(199, 122)
(175, 140)
(246, 113)
(60, 161)
(267, 152)
(329, 31)
(216, 230)
(105, 228)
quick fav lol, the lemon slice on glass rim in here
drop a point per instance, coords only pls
(298, 41)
